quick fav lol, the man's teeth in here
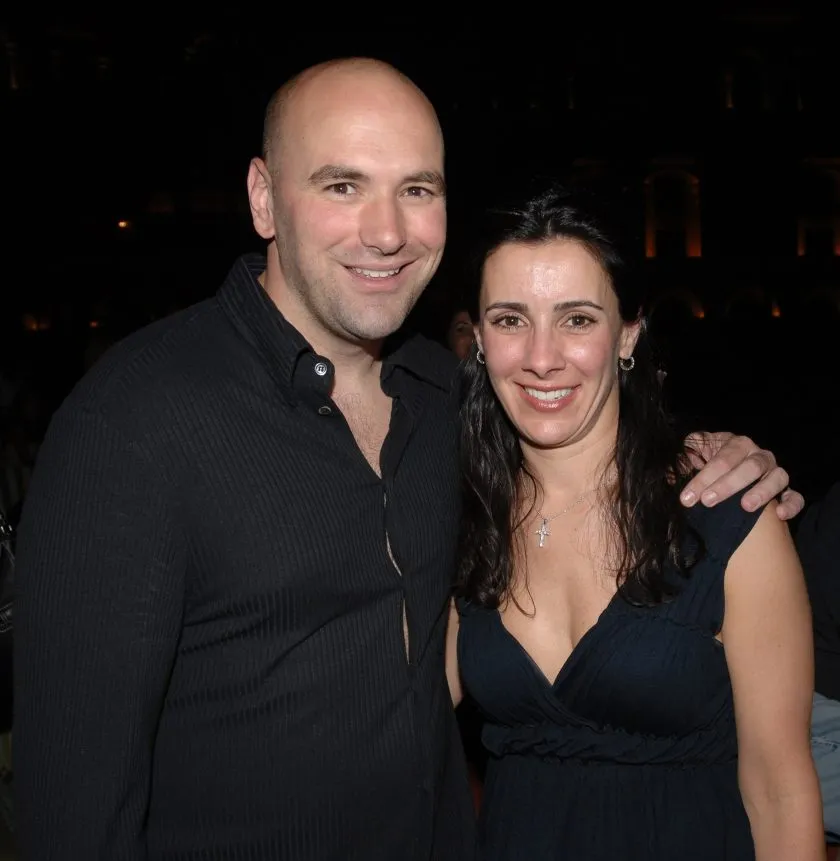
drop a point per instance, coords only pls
(375, 273)
(553, 395)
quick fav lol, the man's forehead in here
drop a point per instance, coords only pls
(365, 143)
(356, 122)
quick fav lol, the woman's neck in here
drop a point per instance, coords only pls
(564, 473)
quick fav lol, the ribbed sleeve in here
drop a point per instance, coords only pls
(99, 605)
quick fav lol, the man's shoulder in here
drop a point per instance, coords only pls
(138, 370)
(429, 361)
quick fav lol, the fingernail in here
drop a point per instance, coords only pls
(709, 498)
(751, 502)
(689, 497)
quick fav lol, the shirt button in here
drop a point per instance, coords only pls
(321, 369)
(324, 411)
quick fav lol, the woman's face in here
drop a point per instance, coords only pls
(552, 334)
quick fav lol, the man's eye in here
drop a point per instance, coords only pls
(341, 188)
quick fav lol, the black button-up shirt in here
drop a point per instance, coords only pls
(211, 660)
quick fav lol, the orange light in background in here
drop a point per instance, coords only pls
(123, 225)
(699, 313)
(36, 324)
(693, 245)
(94, 324)
(775, 311)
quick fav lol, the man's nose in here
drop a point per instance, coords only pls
(383, 226)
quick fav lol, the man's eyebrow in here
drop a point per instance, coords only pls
(343, 173)
(336, 173)
(430, 177)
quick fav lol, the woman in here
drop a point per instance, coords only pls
(627, 716)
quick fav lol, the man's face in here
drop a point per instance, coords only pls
(359, 210)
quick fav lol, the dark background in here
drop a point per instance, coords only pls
(716, 131)
(125, 139)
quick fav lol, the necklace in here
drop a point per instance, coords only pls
(544, 531)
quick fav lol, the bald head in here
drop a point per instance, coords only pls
(351, 194)
(342, 80)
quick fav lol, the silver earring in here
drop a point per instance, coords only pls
(479, 356)
(627, 364)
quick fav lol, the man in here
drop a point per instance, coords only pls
(237, 548)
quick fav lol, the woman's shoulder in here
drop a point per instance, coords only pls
(724, 525)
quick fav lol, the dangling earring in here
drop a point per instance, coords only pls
(479, 356)
(627, 364)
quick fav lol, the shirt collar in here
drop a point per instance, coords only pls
(281, 347)
(249, 308)
(422, 358)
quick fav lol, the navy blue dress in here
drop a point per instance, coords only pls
(630, 753)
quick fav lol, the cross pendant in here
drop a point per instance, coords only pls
(543, 532)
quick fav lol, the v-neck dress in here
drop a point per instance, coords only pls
(630, 753)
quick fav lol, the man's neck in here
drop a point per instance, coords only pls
(357, 363)
(356, 366)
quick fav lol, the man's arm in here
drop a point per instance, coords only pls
(97, 619)
(728, 464)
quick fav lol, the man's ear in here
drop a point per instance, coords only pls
(261, 198)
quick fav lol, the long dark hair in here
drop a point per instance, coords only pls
(650, 460)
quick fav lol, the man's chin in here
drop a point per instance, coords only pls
(377, 327)
(374, 335)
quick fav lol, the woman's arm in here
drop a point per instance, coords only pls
(769, 648)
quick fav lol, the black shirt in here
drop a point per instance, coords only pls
(211, 660)
(818, 544)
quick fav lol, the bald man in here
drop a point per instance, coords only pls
(236, 553)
